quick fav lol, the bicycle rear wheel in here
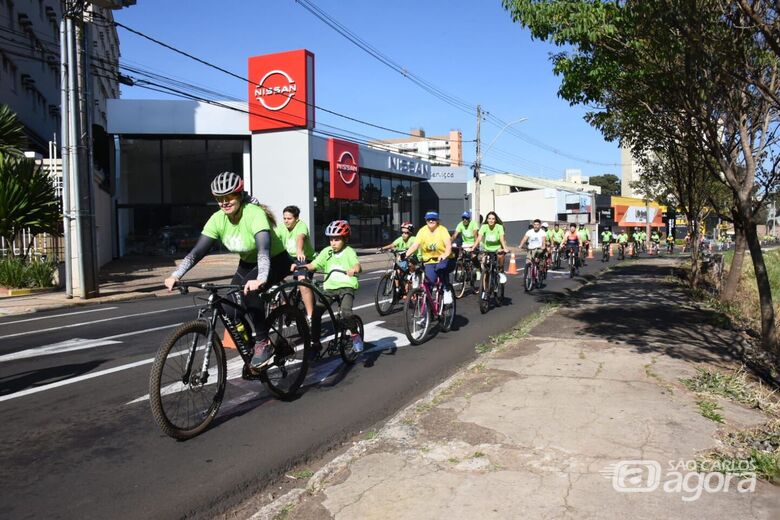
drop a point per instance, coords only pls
(184, 400)
(345, 344)
(528, 277)
(486, 293)
(417, 314)
(289, 337)
(459, 280)
(385, 294)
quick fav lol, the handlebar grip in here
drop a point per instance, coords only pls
(183, 289)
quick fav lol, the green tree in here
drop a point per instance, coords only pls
(689, 73)
(609, 184)
(27, 199)
(12, 138)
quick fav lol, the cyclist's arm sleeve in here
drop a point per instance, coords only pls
(263, 244)
(193, 257)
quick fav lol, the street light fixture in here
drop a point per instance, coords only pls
(480, 154)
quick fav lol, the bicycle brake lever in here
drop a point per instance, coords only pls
(184, 289)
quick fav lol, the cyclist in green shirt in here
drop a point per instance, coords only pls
(584, 236)
(607, 236)
(402, 243)
(294, 234)
(468, 228)
(337, 256)
(491, 236)
(245, 228)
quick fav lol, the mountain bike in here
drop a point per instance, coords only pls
(605, 251)
(341, 343)
(556, 256)
(492, 288)
(670, 246)
(531, 276)
(393, 285)
(574, 268)
(465, 273)
(425, 303)
(621, 251)
(189, 374)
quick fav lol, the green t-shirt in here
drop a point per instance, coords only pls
(655, 237)
(622, 238)
(344, 260)
(467, 232)
(555, 236)
(289, 238)
(583, 234)
(606, 236)
(400, 245)
(240, 238)
(491, 238)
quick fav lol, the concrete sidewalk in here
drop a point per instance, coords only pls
(133, 278)
(578, 415)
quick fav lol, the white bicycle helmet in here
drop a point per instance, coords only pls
(226, 183)
(545, 225)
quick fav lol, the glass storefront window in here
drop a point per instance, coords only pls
(141, 171)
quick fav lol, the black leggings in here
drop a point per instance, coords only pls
(280, 267)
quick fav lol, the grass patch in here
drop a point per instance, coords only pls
(735, 386)
(755, 449)
(301, 474)
(453, 460)
(709, 409)
(518, 331)
(478, 454)
(746, 304)
(286, 510)
(370, 435)
(649, 372)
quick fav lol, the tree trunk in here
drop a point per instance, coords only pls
(695, 266)
(729, 291)
(769, 337)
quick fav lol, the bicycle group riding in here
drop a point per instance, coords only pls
(275, 325)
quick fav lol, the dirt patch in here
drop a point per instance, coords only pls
(442, 424)
(310, 508)
(518, 349)
(476, 381)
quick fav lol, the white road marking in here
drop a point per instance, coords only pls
(94, 321)
(377, 272)
(58, 315)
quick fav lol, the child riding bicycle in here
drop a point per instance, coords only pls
(338, 256)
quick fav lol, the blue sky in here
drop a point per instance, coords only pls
(469, 49)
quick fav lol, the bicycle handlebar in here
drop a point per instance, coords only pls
(207, 286)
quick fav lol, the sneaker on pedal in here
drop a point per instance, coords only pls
(263, 352)
(501, 278)
(447, 297)
(357, 343)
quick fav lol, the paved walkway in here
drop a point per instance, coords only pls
(133, 278)
(538, 427)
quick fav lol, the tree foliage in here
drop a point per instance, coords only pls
(12, 137)
(609, 183)
(27, 199)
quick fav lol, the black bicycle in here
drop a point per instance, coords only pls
(605, 251)
(189, 374)
(341, 343)
(621, 253)
(573, 259)
(465, 273)
(492, 288)
(393, 285)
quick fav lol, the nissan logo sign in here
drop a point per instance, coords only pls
(286, 88)
(346, 167)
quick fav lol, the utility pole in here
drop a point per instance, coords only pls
(477, 167)
(64, 159)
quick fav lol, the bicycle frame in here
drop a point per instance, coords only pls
(427, 288)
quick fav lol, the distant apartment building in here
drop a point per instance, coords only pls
(30, 65)
(574, 176)
(629, 172)
(440, 150)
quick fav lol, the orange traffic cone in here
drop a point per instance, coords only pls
(650, 251)
(590, 253)
(512, 265)
(227, 340)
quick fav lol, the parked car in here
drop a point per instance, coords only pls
(172, 240)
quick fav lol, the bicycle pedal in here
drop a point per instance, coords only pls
(250, 374)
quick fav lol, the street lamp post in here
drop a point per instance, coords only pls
(478, 161)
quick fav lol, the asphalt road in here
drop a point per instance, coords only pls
(77, 439)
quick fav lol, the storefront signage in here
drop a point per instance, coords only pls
(281, 92)
(605, 213)
(450, 174)
(344, 170)
(409, 167)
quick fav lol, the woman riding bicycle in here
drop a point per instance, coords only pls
(436, 246)
(294, 234)
(491, 236)
(402, 243)
(245, 228)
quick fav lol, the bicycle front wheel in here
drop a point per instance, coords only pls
(528, 277)
(447, 316)
(459, 280)
(183, 398)
(289, 336)
(385, 294)
(417, 313)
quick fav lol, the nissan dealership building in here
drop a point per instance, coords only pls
(167, 152)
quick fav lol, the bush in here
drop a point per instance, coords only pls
(16, 273)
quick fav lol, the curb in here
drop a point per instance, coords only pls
(10, 293)
(79, 303)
